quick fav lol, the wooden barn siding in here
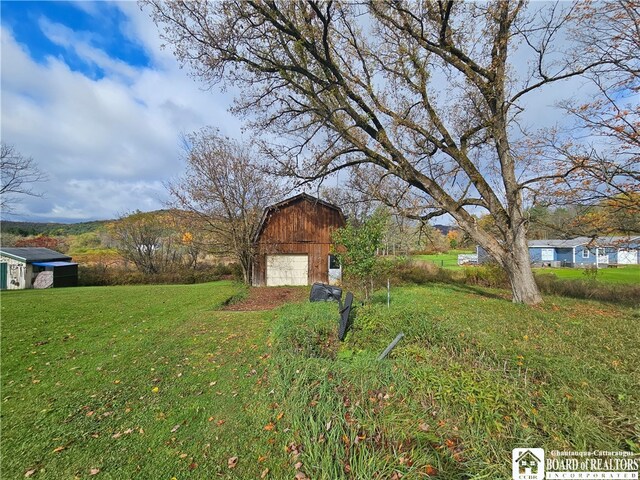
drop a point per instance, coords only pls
(298, 228)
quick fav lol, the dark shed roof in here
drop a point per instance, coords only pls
(33, 254)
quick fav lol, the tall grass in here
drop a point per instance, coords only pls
(474, 378)
(590, 288)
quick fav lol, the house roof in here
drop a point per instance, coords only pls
(54, 264)
(558, 243)
(527, 453)
(613, 241)
(277, 206)
(34, 254)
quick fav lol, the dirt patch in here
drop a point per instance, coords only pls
(268, 298)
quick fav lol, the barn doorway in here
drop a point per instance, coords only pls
(287, 270)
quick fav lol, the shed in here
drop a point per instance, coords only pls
(293, 243)
(19, 268)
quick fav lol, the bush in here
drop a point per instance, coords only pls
(419, 272)
(628, 294)
(489, 275)
(101, 276)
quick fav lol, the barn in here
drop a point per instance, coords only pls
(293, 243)
(31, 267)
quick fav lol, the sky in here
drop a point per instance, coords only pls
(90, 94)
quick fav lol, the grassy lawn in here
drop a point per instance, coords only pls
(627, 274)
(444, 260)
(137, 382)
(158, 382)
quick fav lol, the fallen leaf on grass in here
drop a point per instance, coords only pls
(424, 427)
(431, 471)
(264, 473)
(279, 416)
(175, 429)
(183, 455)
(116, 435)
(269, 426)
(155, 389)
(301, 476)
(220, 422)
(193, 466)
(232, 462)
(29, 473)
(261, 458)
(298, 466)
(94, 471)
(58, 449)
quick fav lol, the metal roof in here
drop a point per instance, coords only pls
(54, 264)
(558, 243)
(33, 254)
(613, 241)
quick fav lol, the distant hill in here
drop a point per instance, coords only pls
(24, 229)
(444, 229)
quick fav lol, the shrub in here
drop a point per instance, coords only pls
(98, 275)
(489, 275)
(550, 284)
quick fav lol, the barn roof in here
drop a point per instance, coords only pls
(33, 254)
(277, 206)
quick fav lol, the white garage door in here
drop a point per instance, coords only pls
(287, 270)
(627, 257)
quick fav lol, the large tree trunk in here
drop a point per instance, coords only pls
(517, 264)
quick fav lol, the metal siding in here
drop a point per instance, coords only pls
(564, 255)
(585, 261)
(535, 254)
(483, 255)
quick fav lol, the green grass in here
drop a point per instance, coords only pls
(475, 377)
(444, 260)
(80, 369)
(627, 274)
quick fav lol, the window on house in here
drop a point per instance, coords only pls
(585, 253)
(547, 254)
(334, 263)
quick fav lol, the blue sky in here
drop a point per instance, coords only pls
(90, 95)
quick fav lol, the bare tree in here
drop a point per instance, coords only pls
(17, 176)
(605, 167)
(148, 240)
(424, 92)
(227, 190)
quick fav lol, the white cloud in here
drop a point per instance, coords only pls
(106, 144)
